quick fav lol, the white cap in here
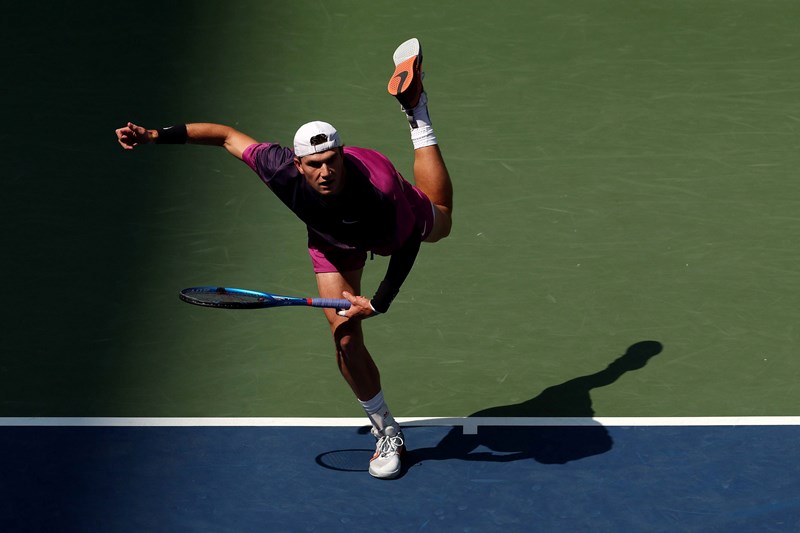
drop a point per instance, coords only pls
(315, 137)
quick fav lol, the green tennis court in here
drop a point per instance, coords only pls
(624, 171)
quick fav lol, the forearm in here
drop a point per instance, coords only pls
(208, 134)
(399, 267)
(205, 134)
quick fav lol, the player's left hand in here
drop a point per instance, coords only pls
(360, 307)
(131, 136)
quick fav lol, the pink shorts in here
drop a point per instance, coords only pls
(330, 259)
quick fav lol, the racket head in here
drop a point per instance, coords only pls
(232, 298)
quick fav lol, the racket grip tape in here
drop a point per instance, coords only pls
(329, 302)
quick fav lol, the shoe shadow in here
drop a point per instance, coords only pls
(545, 444)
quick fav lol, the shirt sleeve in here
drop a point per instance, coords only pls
(399, 267)
(266, 159)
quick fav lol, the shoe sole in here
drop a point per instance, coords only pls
(404, 58)
(408, 49)
(387, 475)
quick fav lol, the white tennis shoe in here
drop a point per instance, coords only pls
(389, 449)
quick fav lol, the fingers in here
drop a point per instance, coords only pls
(129, 135)
(138, 130)
(124, 138)
(359, 307)
(350, 298)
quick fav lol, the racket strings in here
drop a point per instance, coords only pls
(224, 297)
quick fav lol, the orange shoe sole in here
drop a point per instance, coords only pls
(403, 77)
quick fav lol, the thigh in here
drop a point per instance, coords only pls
(331, 285)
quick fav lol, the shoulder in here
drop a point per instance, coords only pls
(267, 156)
(375, 166)
(367, 157)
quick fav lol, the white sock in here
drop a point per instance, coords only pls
(422, 134)
(378, 412)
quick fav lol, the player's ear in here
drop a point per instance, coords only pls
(298, 165)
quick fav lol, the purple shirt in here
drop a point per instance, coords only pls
(377, 211)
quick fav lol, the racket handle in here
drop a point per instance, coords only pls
(330, 302)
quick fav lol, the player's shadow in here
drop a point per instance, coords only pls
(545, 444)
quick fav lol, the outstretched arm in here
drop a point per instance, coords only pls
(399, 267)
(131, 136)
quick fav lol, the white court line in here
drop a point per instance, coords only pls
(470, 425)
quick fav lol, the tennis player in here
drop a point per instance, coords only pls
(353, 202)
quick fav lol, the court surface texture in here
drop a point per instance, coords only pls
(607, 341)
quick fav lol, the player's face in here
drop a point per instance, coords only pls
(324, 171)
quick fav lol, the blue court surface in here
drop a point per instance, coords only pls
(587, 478)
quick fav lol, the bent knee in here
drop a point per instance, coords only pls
(436, 237)
(348, 339)
(349, 344)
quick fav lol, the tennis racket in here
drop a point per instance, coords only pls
(229, 298)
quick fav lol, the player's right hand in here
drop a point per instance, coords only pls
(360, 307)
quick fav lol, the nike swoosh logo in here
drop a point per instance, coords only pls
(402, 75)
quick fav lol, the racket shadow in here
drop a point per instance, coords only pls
(351, 460)
(545, 444)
